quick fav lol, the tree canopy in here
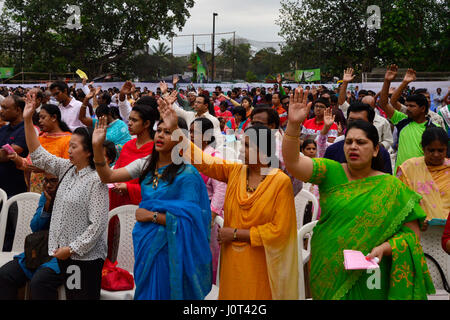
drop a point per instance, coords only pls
(111, 32)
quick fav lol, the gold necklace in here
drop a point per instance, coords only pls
(156, 178)
(250, 189)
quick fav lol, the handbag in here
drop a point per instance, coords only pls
(116, 279)
(36, 244)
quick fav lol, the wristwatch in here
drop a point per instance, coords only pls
(235, 235)
(155, 217)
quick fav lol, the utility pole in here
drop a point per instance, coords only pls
(233, 75)
(212, 48)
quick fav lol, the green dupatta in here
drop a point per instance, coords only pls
(360, 215)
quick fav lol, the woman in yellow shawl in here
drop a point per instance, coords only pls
(430, 177)
(259, 237)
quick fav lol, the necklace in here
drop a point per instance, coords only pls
(250, 189)
(156, 178)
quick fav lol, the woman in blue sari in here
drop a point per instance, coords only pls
(171, 236)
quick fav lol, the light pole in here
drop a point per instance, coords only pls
(212, 50)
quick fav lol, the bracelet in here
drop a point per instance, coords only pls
(155, 217)
(291, 137)
(100, 164)
(235, 235)
(71, 251)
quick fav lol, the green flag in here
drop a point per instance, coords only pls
(6, 73)
(202, 67)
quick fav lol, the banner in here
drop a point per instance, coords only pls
(6, 73)
(307, 75)
(202, 66)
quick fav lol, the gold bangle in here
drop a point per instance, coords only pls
(291, 137)
(235, 235)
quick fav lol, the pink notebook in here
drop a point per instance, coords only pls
(355, 260)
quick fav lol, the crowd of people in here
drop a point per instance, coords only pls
(378, 162)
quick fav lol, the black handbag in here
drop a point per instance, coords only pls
(36, 244)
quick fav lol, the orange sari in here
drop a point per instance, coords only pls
(267, 267)
(58, 145)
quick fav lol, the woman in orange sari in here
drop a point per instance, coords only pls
(55, 137)
(259, 238)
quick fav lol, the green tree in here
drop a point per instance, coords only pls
(237, 56)
(334, 34)
(111, 32)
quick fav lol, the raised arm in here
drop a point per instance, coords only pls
(410, 76)
(300, 167)
(234, 102)
(348, 77)
(390, 75)
(30, 134)
(87, 121)
(106, 174)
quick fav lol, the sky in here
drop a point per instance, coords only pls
(251, 19)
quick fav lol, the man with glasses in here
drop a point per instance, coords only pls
(312, 127)
(69, 106)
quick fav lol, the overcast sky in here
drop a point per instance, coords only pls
(251, 19)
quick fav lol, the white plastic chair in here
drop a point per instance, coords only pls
(214, 293)
(3, 199)
(301, 200)
(27, 203)
(305, 232)
(125, 254)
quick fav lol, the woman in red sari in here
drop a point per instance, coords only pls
(141, 121)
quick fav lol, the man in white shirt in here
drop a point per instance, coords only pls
(69, 107)
(383, 126)
(201, 108)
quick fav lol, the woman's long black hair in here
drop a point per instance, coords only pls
(372, 134)
(86, 134)
(172, 170)
(206, 125)
(53, 110)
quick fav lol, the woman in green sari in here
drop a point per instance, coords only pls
(362, 209)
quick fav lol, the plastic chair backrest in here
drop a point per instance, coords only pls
(3, 199)
(301, 200)
(219, 221)
(127, 218)
(305, 232)
(27, 203)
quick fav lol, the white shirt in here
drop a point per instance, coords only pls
(124, 109)
(384, 131)
(80, 211)
(190, 116)
(70, 113)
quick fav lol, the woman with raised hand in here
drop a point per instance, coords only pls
(259, 258)
(171, 235)
(77, 234)
(362, 209)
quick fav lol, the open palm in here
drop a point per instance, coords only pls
(30, 105)
(391, 72)
(410, 76)
(99, 134)
(348, 75)
(298, 106)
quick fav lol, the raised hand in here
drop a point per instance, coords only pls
(298, 106)
(30, 105)
(410, 76)
(175, 80)
(348, 75)
(391, 73)
(99, 134)
(279, 78)
(167, 113)
(90, 95)
(163, 86)
(97, 91)
(126, 88)
(171, 98)
(328, 117)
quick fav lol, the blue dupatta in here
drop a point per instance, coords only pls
(174, 261)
